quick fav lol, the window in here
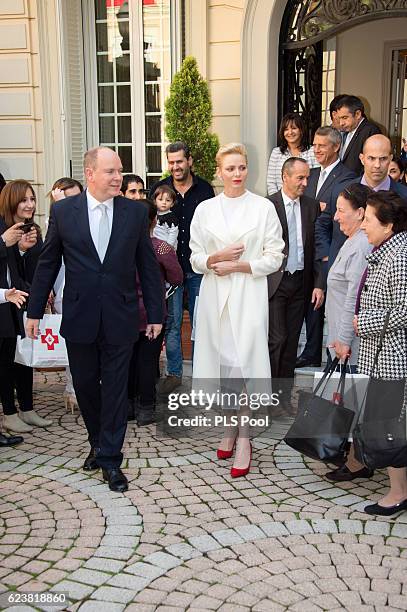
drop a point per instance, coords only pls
(157, 80)
(136, 49)
(114, 78)
(328, 78)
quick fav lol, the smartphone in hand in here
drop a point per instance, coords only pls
(27, 227)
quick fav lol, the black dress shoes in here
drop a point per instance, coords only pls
(131, 410)
(303, 362)
(343, 474)
(116, 480)
(386, 511)
(145, 417)
(90, 461)
(10, 440)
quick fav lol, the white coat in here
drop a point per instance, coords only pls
(257, 226)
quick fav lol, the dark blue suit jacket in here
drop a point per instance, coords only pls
(98, 296)
(340, 175)
(328, 236)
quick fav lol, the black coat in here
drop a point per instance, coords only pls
(98, 296)
(351, 156)
(310, 211)
(11, 321)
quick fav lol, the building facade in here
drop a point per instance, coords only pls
(78, 73)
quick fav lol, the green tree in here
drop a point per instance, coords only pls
(188, 117)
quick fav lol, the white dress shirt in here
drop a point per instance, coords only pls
(349, 138)
(3, 296)
(297, 212)
(95, 215)
(325, 172)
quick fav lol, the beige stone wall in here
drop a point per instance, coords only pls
(369, 76)
(21, 137)
(213, 36)
(31, 114)
(224, 66)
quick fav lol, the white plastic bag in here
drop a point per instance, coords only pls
(48, 351)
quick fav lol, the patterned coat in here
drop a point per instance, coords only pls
(385, 290)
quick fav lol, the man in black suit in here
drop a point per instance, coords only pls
(322, 181)
(103, 239)
(299, 279)
(352, 119)
(376, 158)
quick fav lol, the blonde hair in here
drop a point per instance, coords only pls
(235, 148)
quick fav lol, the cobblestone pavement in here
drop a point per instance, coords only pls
(185, 536)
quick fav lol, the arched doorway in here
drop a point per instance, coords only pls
(275, 29)
(306, 29)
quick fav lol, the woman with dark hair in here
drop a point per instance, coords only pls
(20, 244)
(146, 352)
(64, 187)
(292, 142)
(342, 290)
(346, 271)
(383, 293)
(397, 170)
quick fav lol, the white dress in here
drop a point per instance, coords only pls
(229, 358)
(231, 339)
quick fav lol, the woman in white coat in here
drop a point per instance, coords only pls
(236, 241)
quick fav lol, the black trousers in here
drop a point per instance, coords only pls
(286, 314)
(143, 370)
(314, 322)
(99, 373)
(14, 376)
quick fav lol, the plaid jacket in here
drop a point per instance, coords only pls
(385, 290)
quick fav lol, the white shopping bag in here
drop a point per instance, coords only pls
(48, 351)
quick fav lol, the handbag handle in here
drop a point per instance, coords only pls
(327, 375)
(375, 362)
(341, 384)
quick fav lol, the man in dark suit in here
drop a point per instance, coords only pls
(352, 120)
(103, 239)
(299, 279)
(376, 158)
(321, 182)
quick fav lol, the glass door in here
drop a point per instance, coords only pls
(398, 107)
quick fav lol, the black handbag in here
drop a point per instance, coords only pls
(381, 443)
(322, 427)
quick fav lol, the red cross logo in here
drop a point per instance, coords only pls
(49, 339)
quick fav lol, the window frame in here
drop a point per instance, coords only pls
(137, 91)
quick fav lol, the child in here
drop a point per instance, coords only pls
(167, 222)
(146, 352)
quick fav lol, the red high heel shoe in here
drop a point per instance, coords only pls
(237, 472)
(224, 454)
